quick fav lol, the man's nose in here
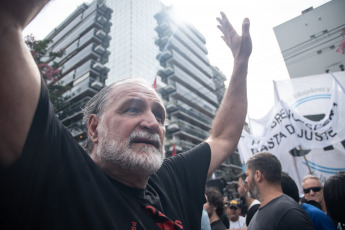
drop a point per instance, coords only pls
(149, 121)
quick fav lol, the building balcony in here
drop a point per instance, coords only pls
(164, 56)
(102, 20)
(187, 131)
(162, 41)
(80, 91)
(171, 107)
(77, 129)
(180, 146)
(98, 66)
(97, 85)
(192, 116)
(167, 89)
(172, 127)
(99, 49)
(165, 72)
(101, 34)
(162, 27)
(73, 110)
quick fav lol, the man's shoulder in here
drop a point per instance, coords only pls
(318, 217)
(282, 205)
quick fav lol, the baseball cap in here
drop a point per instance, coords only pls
(233, 203)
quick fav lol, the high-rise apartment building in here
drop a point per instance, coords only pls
(133, 51)
(84, 36)
(190, 92)
(308, 42)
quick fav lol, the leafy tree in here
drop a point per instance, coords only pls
(49, 69)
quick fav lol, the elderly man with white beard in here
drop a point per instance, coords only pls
(120, 180)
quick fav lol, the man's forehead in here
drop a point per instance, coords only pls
(311, 181)
(135, 90)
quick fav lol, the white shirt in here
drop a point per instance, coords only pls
(240, 223)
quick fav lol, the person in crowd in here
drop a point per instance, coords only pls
(277, 210)
(215, 208)
(224, 217)
(252, 203)
(235, 219)
(320, 220)
(311, 202)
(120, 180)
(205, 221)
(334, 193)
(313, 190)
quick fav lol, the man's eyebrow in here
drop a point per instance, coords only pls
(160, 108)
(131, 101)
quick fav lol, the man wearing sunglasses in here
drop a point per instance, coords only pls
(313, 190)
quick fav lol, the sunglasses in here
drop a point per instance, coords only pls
(232, 207)
(315, 189)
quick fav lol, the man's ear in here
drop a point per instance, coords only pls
(258, 176)
(93, 123)
(245, 187)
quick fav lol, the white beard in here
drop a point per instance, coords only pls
(144, 159)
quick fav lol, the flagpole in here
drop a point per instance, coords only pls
(305, 159)
(337, 81)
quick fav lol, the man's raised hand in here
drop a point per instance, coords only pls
(241, 46)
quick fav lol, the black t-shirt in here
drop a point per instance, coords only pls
(251, 213)
(281, 213)
(56, 185)
(218, 225)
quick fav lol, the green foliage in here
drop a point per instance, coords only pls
(49, 69)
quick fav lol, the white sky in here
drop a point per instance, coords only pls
(266, 62)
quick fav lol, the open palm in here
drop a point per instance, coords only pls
(241, 46)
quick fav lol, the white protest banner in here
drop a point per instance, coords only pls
(285, 128)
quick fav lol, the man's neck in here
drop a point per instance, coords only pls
(234, 220)
(323, 206)
(126, 177)
(214, 218)
(269, 192)
(249, 200)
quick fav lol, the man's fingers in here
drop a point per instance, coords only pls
(221, 28)
(245, 27)
(226, 22)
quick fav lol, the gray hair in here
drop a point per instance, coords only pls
(310, 176)
(98, 103)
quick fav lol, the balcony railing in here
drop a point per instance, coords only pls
(187, 128)
(73, 109)
(77, 128)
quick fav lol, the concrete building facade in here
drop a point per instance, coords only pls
(132, 47)
(308, 42)
(84, 36)
(192, 88)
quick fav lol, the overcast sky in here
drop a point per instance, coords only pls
(266, 62)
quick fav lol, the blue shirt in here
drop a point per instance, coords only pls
(320, 220)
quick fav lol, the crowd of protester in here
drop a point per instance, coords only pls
(272, 199)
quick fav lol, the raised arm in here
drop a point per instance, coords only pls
(228, 123)
(19, 77)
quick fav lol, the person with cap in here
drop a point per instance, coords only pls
(236, 220)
